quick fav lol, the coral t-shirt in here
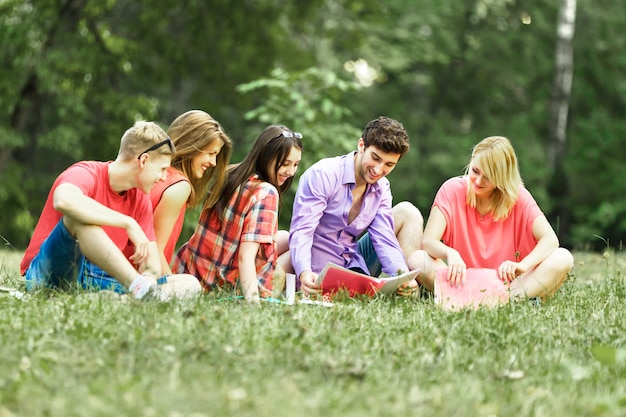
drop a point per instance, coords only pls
(481, 241)
(173, 176)
(92, 177)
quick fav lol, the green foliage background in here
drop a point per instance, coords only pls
(77, 73)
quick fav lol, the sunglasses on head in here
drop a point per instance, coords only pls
(167, 141)
(288, 134)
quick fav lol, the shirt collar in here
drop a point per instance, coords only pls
(349, 174)
(348, 169)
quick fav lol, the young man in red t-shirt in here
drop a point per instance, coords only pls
(96, 209)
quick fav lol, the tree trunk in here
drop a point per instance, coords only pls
(559, 108)
(26, 117)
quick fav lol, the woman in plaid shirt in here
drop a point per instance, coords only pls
(234, 243)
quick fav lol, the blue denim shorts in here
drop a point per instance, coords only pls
(57, 263)
(95, 278)
(366, 249)
(61, 264)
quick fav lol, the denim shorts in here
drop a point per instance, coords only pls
(57, 263)
(61, 264)
(92, 277)
(95, 278)
(366, 249)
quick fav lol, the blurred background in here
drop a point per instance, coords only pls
(548, 74)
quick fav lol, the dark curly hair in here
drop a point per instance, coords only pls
(386, 134)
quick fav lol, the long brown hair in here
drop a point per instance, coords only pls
(192, 132)
(269, 152)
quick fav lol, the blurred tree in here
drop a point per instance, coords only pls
(77, 73)
(454, 73)
(597, 131)
(58, 95)
(83, 70)
(307, 101)
(559, 111)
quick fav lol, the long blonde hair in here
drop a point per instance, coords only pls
(496, 158)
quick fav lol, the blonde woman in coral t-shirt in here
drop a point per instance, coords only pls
(487, 219)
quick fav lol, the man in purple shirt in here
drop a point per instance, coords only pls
(341, 198)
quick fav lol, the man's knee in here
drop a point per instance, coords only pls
(417, 260)
(406, 213)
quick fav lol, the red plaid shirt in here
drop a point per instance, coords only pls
(212, 252)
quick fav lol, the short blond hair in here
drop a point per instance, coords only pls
(496, 158)
(141, 136)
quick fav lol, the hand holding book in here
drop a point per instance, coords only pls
(334, 278)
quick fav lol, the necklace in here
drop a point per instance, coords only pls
(481, 216)
(482, 213)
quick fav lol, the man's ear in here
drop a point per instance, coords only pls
(143, 160)
(361, 145)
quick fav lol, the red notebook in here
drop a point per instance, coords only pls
(482, 287)
(334, 278)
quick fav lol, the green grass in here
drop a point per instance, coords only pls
(92, 355)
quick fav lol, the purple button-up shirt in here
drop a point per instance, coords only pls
(320, 232)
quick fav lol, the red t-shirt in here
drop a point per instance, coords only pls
(92, 177)
(483, 242)
(173, 176)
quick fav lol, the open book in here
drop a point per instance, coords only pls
(334, 278)
(482, 287)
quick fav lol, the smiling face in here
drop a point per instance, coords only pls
(372, 164)
(206, 158)
(289, 167)
(153, 169)
(482, 187)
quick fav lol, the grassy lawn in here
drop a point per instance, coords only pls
(101, 355)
